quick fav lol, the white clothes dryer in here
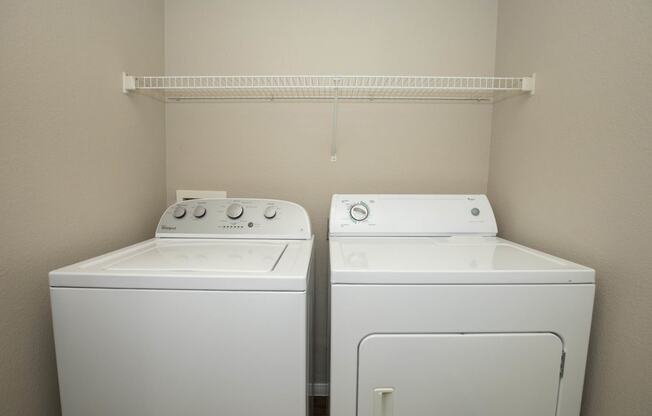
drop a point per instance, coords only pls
(432, 314)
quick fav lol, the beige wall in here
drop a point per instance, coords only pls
(571, 168)
(82, 166)
(281, 150)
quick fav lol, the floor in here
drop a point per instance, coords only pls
(319, 406)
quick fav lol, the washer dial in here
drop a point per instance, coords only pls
(199, 212)
(270, 212)
(179, 212)
(234, 211)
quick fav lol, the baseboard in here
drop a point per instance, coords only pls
(318, 389)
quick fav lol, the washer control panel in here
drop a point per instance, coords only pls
(411, 215)
(235, 218)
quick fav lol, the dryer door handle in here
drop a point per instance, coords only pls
(383, 404)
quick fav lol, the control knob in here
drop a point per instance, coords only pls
(199, 211)
(270, 212)
(234, 211)
(179, 212)
(359, 212)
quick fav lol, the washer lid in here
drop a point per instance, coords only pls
(203, 256)
(275, 265)
(447, 260)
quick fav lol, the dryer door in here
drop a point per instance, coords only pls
(459, 374)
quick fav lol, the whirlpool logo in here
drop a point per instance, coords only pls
(167, 228)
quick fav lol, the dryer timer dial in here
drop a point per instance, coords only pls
(359, 211)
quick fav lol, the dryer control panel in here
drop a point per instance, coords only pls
(411, 215)
(235, 218)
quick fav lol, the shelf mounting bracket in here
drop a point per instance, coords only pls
(128, 83)
(336, 81)
(529, 83)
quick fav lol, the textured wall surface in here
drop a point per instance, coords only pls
(281, 150)
(82, 166)
(571, 169)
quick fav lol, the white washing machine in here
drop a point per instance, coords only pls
(211, 317)
(432, 314)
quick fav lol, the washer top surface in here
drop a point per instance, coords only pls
(202, 256)
(159, 263)
(433, 239)
(266, 247)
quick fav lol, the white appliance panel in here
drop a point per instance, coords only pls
(235, 218)
(358, 311)
(459, 374)
(411, 215)
(170, 353)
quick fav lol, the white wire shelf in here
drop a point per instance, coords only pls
(321, 87)
(331, 88)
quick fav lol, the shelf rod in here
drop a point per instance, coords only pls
(334, 132)
(321, 99)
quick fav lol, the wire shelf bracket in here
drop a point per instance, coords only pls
(327, 88)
